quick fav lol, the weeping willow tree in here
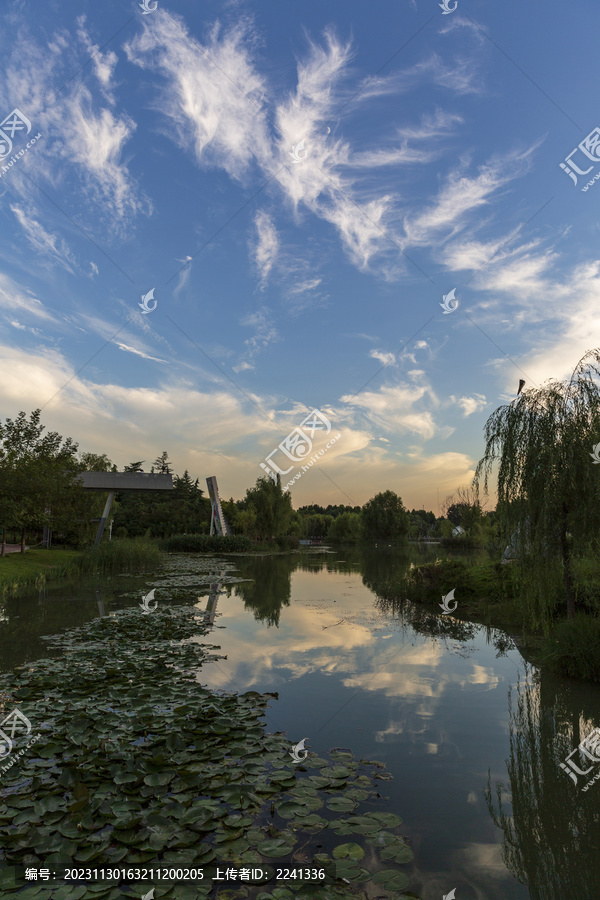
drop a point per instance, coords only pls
(548, 487)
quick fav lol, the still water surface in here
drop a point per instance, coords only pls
(451, 708)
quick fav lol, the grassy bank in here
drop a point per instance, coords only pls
(36, 568)
(498, 595)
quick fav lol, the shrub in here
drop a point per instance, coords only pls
(287, 542)
(206, 543)
(428, 581)
(573, 648)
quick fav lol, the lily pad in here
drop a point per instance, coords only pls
(341, 804)
(348, 851)
(391, 879)
(276, 847)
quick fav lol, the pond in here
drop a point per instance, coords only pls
(471, 733)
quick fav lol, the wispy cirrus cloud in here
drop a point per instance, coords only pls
(44, 242)
(266, 247)
(265, 333)
(128, 349)
(15, 297)
(212, 92)
(438, 124)
(76, 124)
(462, 194)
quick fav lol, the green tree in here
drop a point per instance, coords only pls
(96, 462)
(134, 466)
(317, 526)
(272, 506)
(548, 487)
(162, 464)
(384, 517)
(246, 522)
(39, 476)
(184, 509)
(466, 510)
(346, 527)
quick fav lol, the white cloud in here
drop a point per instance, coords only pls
(392, 408)
(129, 349)
(463, 194)
(42, 241)
(95, 141)
(103, 65)
(470, 405)
(13, 296)
(462, 76)
(304, 287)
(78, 132)
(265, 333)
(267, 245)
(386, 359)
(212, 93)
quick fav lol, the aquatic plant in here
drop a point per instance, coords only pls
(141, 554)
(206, 543)
(137, 764)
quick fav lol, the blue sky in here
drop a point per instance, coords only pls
(428, 151)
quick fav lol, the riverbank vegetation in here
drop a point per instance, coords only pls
(203, 543)
(36, 568)
(548, 501)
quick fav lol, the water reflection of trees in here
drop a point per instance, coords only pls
(551, 830)
(270, 588)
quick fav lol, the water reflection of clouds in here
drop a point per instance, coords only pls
(482, 675)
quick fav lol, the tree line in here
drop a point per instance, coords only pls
(40, 488)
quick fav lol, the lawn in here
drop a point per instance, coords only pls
(33, 567)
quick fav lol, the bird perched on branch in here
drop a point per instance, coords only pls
(521, 385)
